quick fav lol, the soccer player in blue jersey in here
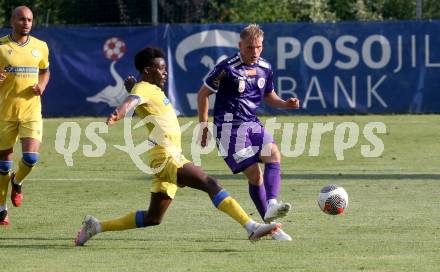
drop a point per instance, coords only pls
(24, 74)
(173, 169)
(240, 83)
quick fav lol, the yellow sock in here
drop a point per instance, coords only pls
(4, 184)
(231, 207)
(22, 172)
(125, 222)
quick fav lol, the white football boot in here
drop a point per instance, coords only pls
(280, 235)
(89, 229)
(261, 230)
(276, 210)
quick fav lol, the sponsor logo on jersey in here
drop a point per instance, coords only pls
(252, 72)
(241, 85)
(21, 70)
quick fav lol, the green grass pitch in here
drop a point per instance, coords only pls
(392, 222)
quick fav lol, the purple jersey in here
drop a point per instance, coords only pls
(239, 88)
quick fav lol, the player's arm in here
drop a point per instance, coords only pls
(131, 102)
(129, 83)
(43, 79)
(43, 73)
(2, 76)
(203, 107)
(203, 103)
(273, 100)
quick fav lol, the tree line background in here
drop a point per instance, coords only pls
(136, 12)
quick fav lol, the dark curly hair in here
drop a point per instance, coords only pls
(146, 56)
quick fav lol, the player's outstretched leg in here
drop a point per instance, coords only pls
(193, 176)
(139, 219)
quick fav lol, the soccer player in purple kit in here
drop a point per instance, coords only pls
(240, 83)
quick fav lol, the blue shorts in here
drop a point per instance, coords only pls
(243, 145)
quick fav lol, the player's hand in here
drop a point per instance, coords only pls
(129, 83)
(112, 118)
(37, 89)
(205, 136)
(2, 76)
(292, 103)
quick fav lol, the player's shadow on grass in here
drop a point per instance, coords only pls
(37, 247)
(31, 243)
(220, 250)
(179, 240)
(144, 243)
(367, 176)
(36, 239)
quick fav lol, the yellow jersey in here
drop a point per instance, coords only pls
(159, 116)
(22, 63)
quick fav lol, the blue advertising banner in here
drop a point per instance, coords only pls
(333, 68)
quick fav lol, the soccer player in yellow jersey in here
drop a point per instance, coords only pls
(24, 74)
(172, 169)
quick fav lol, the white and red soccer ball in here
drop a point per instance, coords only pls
(114, 48)
(333, 199)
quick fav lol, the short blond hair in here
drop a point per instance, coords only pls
(252, 31)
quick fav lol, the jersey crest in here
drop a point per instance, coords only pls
(261, 82)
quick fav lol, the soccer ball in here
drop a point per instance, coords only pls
(114, 48)
(333, 199)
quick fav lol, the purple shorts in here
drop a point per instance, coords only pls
(242, 145)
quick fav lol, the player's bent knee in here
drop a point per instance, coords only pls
(30, 158)
(212, 181)
(275, 155)
(258, 182)
(256, 179)
(5, 167)
(213, 185)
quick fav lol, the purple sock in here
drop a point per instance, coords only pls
(258, 195)
(272, 179)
